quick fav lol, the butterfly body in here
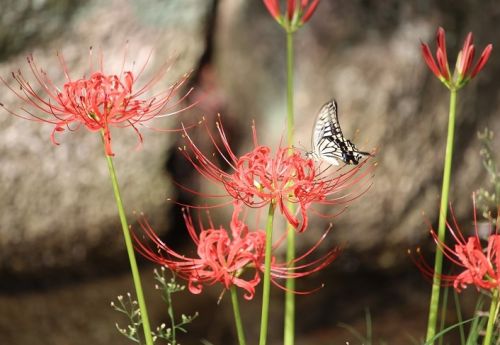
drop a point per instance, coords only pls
(328, 143)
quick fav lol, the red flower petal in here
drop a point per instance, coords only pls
(442, 63)
(441, 43)
(469, 57)
(429, 60)
(310, 11)
(273, 7)
(290, 10)
(482, 60)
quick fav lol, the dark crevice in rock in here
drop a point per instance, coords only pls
(176, 166)
(206, 57)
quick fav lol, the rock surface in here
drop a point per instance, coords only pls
(57, 204)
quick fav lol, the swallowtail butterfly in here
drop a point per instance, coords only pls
(328, 143)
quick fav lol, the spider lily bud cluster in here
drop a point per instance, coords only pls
(464, 69)
(296, 14)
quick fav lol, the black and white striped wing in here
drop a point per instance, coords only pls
(328, 142)
(325, 129)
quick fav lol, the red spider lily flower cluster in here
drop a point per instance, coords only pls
(297, 12)
(221, 258)
(258, 177)
(98, 102)
(463, 69)
(481, 266)
(232, 260)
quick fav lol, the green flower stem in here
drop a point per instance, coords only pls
(130, 251)
(438, 263)
(289, 88)
(289, 326)
(492, 317)
(171, 315)
(459, 317)
(237, 316)
(289, 330)
(444, 309)
(267, 275)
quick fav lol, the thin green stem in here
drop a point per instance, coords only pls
(289, 88)
(130, 251)
(171, 315)
(267, 275)
(444, 307)
(459, 317)
(492, 317)
(289, 325)
(438, 263)
(237, 316)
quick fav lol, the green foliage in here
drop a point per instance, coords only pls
(363, 339)
(439, 335)
(477, 324)
(129, 307)
(488, 198)
(168, 288)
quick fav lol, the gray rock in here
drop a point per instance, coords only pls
(57, 202)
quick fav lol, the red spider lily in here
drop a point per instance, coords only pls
(481, 266)
(463, 69)
(232, 260)
(258, 177)
(97, 102)
(297, 13)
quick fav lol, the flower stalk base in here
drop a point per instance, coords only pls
(237, 316)
(289, 324)
(267, 275)
(130, 251)
(492, 317)
(438, 263)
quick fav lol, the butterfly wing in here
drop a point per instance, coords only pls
(328, 142)
(326, 127)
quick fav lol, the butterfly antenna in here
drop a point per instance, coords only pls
(366, 153)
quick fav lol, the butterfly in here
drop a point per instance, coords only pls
(327, 141)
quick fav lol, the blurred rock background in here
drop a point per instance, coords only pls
(61, 254)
